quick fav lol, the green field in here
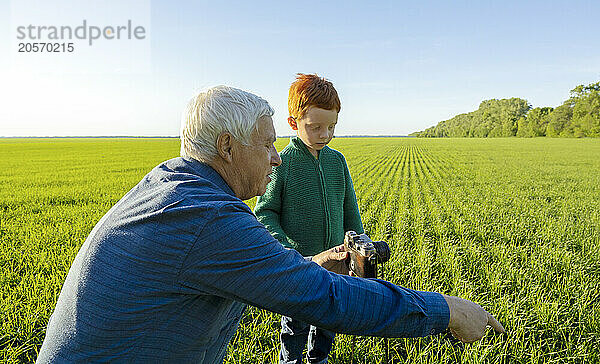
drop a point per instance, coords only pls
(513, 224)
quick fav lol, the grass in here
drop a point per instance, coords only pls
(513, 224)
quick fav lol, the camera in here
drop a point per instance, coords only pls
(365, 254)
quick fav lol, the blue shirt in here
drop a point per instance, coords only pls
(165, 276)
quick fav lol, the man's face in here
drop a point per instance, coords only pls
(254, 162)
(316, 128)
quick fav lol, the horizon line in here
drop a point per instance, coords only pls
(177, 137)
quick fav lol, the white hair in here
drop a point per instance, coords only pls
(215, 111)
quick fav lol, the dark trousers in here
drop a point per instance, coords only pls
(296, 334)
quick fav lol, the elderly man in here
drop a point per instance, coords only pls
(166, 274)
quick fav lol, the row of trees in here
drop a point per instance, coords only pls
(579, 116)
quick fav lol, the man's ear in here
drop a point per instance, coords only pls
(225, 146)
(292, 123)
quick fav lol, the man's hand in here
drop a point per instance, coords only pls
(334, 260)
(468, 320)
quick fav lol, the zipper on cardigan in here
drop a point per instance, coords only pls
(317, 162)
(325, 205)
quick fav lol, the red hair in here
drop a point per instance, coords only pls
(311, 90)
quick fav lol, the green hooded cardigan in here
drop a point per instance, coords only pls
(310, 202)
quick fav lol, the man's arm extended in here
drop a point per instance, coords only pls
(235, 257)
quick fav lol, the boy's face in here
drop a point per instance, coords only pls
(316, 128)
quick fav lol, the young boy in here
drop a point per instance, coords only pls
(310, 202)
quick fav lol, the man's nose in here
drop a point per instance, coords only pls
(275, 158)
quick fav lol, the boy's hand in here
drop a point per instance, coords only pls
(334, 260)
(468, 320)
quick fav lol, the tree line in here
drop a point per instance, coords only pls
(578, 117)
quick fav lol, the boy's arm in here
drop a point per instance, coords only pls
(352, 219)
(268, 206)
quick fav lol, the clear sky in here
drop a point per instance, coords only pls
(398, 66)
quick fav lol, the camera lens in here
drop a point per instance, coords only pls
(383, 251)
